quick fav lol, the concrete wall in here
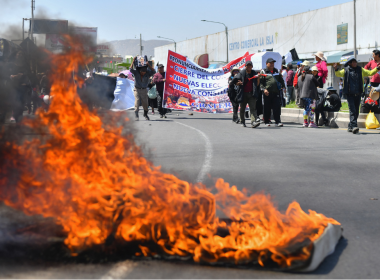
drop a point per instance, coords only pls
(307, 32)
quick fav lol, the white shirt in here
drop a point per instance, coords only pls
(284, 75)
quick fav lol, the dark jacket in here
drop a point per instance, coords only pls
(272, 82)
(361, 74)
(243, 76)
(308, 86)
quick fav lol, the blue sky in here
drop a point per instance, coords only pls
(179, 20)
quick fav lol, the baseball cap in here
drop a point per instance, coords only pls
(299, 63)
(248, 63)
(160, 65)
(270, 60)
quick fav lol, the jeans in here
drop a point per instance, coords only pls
(353, 105)
(251, 101)
(289, 94)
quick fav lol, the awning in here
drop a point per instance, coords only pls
(361, 58)
(335, 58)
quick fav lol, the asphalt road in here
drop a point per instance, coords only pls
(327, 170)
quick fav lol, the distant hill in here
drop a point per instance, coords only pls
(132, 46)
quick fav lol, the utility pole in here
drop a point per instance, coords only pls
(175, 43)
(141, 46)
(226, 33)
(32, 23)
(355, 29)
(23, 19)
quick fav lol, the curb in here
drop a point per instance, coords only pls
(336, 119)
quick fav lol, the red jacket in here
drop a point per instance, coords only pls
(371, 65)
(295, 81)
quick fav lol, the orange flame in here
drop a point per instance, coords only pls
(95, 183)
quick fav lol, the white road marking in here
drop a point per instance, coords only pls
(120, 270)
(206, 167)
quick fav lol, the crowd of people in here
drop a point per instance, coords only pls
(267, 89)
(264, 91)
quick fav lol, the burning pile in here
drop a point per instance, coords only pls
(96, 183)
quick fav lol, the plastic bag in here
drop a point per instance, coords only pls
(371, 122)
(152, 93)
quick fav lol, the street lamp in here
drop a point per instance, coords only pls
(175, 43)
(226, 32)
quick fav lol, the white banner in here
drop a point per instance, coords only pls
(124, 98)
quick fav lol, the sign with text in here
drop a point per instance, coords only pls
(191, 87)
(342, 37)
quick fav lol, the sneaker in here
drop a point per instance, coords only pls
(305, 124)
(238, 121)
(161, 116)
(267, 124)
(355, 130)
(243, 125)
(255, 124)
(258, 120)
(152, 113)
(279, 124)
(349, 129)
(313, 125)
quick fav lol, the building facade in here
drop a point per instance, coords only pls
(330, 30)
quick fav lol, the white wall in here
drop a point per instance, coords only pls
(307, 32)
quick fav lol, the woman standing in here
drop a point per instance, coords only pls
(308, 85)
(322, 67)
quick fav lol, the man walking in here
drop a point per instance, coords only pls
(142, 75)
(289, 83)
(159, 80)
(249, 89)
(272, 83)
(375, 81)
(353, 80)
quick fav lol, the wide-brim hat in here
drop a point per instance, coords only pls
(320, 55)
(235, 68)
(314, 68)
(305, 63)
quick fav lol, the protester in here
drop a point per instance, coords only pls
(322, 67)
(295, 82)
(272, 83)
(353, 80)
(308, 84)
(159, 79)
(329, 101)
(375, 80)
(289, 83)
(315, 72)
(152, 101)
(232, 94)
(142, 75)
(248, 93)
